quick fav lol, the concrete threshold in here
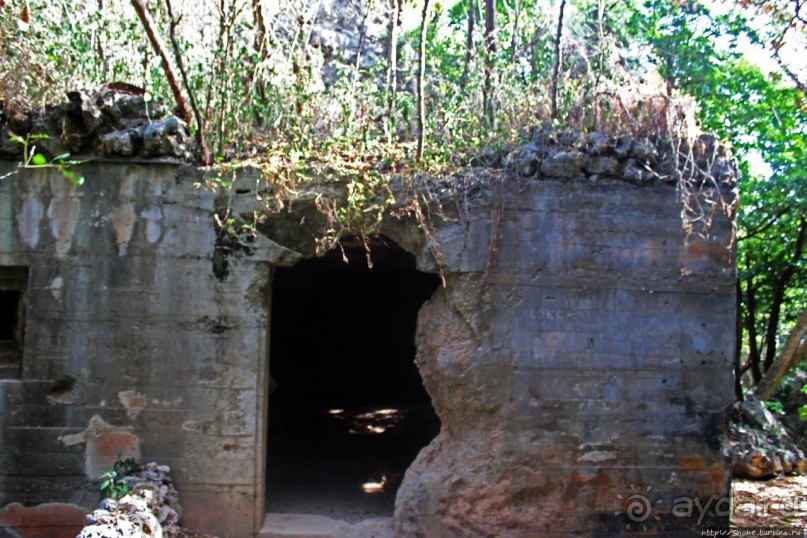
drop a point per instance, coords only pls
(317, 526)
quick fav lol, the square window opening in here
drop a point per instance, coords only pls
(13, 295)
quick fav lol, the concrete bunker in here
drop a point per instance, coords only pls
(347, 411)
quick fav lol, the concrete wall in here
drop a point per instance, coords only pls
(132, 345)
(581, 356)
(591, 362)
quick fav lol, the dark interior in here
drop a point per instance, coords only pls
(9, 304)
(347, 411)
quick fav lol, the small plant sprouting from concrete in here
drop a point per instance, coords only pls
(113, 483)
(32, 159)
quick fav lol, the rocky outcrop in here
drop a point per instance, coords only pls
(792, 398)
(760, 445)
(639, 160)
(112, 121)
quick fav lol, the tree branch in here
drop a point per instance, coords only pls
(421, 103)
(556, 68)
(200, 127)
(168, 67)
(792, 352)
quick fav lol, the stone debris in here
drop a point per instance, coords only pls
(760, 446)
(150, 509)
(640, 161)
(111, 121)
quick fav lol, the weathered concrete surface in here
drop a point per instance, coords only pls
(580, 351)
(591, 352)
(165, 359)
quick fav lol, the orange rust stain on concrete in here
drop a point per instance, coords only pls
(105, 443)
(51, 520)
(716, 473)
(696, 250)
(692, 463)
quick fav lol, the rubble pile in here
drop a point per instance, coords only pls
(150, 509)
(113, 121)
(761, 447)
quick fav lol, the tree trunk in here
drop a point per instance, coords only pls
(490, 50)
(424, 21)
(259, 46)
(395, 9)
(514, 38)
(754, 358)
(100, 55)
(168, 66)
(469, 44)
(556, 68)
(200, 126)
(738, 343)
(779, 296)
(793, 351)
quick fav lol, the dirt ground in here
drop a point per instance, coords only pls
(776, 503)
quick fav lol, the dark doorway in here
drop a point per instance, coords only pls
(348, 412)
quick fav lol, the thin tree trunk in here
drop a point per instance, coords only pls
(258, 43)
(754, 358)
(200, 126)
(738, 343)
(469, 44)
(100, 55)
(779, 296)
(259, 46)
(490, 49)
(556, 68)
(514, 38)
(421, 103)
(395, 7)
(792, 352)
(168, 66)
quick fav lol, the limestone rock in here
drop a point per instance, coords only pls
(760, 445)
(603, 166)
(150, 509)
(622, 146)
(644, 150)
(526, 160)
(165, 137)
(792, 399)
(596, 143)
(117, 143)
(565, 164)
(637, 172)
(114, 120)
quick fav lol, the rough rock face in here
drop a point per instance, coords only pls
(111, 121)
(761, 447)
(638, 160)
(792, 399)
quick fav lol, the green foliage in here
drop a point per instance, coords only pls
(803, 408)
(31, 159)
(765, 119)
(775, 406)
(113, 483)
(254, 87)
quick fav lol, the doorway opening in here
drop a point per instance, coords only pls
(348, 412)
